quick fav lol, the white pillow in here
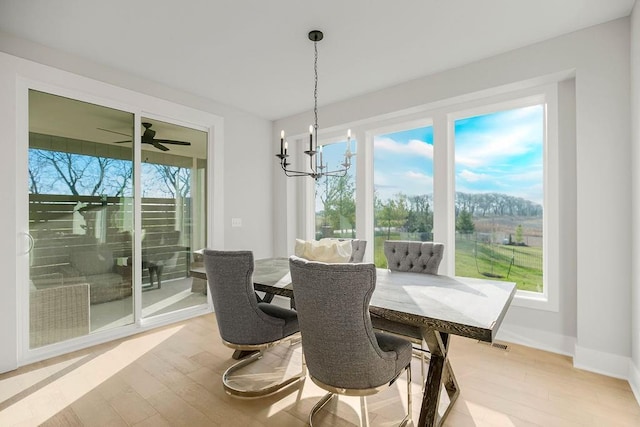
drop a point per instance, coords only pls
(324, 250)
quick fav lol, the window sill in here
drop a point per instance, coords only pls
(534, 300)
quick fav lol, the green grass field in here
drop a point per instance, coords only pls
(485, 261)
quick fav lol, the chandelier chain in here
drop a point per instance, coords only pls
(315, 87)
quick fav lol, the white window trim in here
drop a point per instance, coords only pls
(548, 299)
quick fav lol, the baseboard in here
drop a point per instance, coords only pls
(634, 380)
(609, 364)
(600, 362)
(536, 338)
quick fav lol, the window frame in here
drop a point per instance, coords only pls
(442, 116)
(140, 105)
(548, 299)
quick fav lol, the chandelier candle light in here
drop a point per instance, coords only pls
(317, 167)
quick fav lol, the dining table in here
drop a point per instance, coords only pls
(439, 305)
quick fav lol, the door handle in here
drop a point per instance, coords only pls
(32, 243)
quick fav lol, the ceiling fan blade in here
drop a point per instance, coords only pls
(113, 131)
(121, 142)
(171, 141)
(159, 146)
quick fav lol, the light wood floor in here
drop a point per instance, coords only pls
(171, 377)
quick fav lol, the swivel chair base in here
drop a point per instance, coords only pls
(227, 376)
(362, 393)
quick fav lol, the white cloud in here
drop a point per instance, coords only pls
(420, 177)
(414, 147)
(469, 176)
(486, 149)
(406, 182)
(531, 176)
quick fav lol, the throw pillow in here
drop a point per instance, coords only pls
(324, 250)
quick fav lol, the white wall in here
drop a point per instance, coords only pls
(247, 171)
(595, 317)
(634, 377)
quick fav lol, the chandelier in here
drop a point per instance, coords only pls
(317, 168)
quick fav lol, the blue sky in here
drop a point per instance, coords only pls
(499, 152)
(403, 162)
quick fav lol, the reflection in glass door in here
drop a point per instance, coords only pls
(80, 218)
(173, 177)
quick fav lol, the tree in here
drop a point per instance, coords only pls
(37, 169)
(392, 213)
(519, 238)
(419, 217)
(496, 204)
(77, 174)
(464, 223)
(338, 199)
(176, 180)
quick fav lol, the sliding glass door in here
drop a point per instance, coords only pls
(84, 172)
(173, 177)
(80, 219)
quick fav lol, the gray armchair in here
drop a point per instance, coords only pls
(245, 324)
(342, 352)
(416, 257)
(358, 248)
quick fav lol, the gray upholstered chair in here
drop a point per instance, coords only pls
(245, 324)
(416, 257)
(343, 353)
(358, 248)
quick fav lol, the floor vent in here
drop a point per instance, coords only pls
(495, 345)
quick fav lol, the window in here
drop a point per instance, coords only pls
(479, 176)
(499, 196)
(403, 187)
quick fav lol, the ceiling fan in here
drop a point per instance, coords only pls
(148, 137)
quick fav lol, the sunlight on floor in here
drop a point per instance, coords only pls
(166, 302)
(48, 400)
(12, 386)
(482, 413)
(385, 408)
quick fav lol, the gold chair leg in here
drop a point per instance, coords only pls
(409, 415)
(364, 412)
(265, 391)
(318, 406)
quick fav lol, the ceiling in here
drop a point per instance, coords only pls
(69, 118)
(255, 54)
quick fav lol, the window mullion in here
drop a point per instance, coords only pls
(443, 190)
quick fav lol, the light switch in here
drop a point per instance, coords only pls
(236, 222)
